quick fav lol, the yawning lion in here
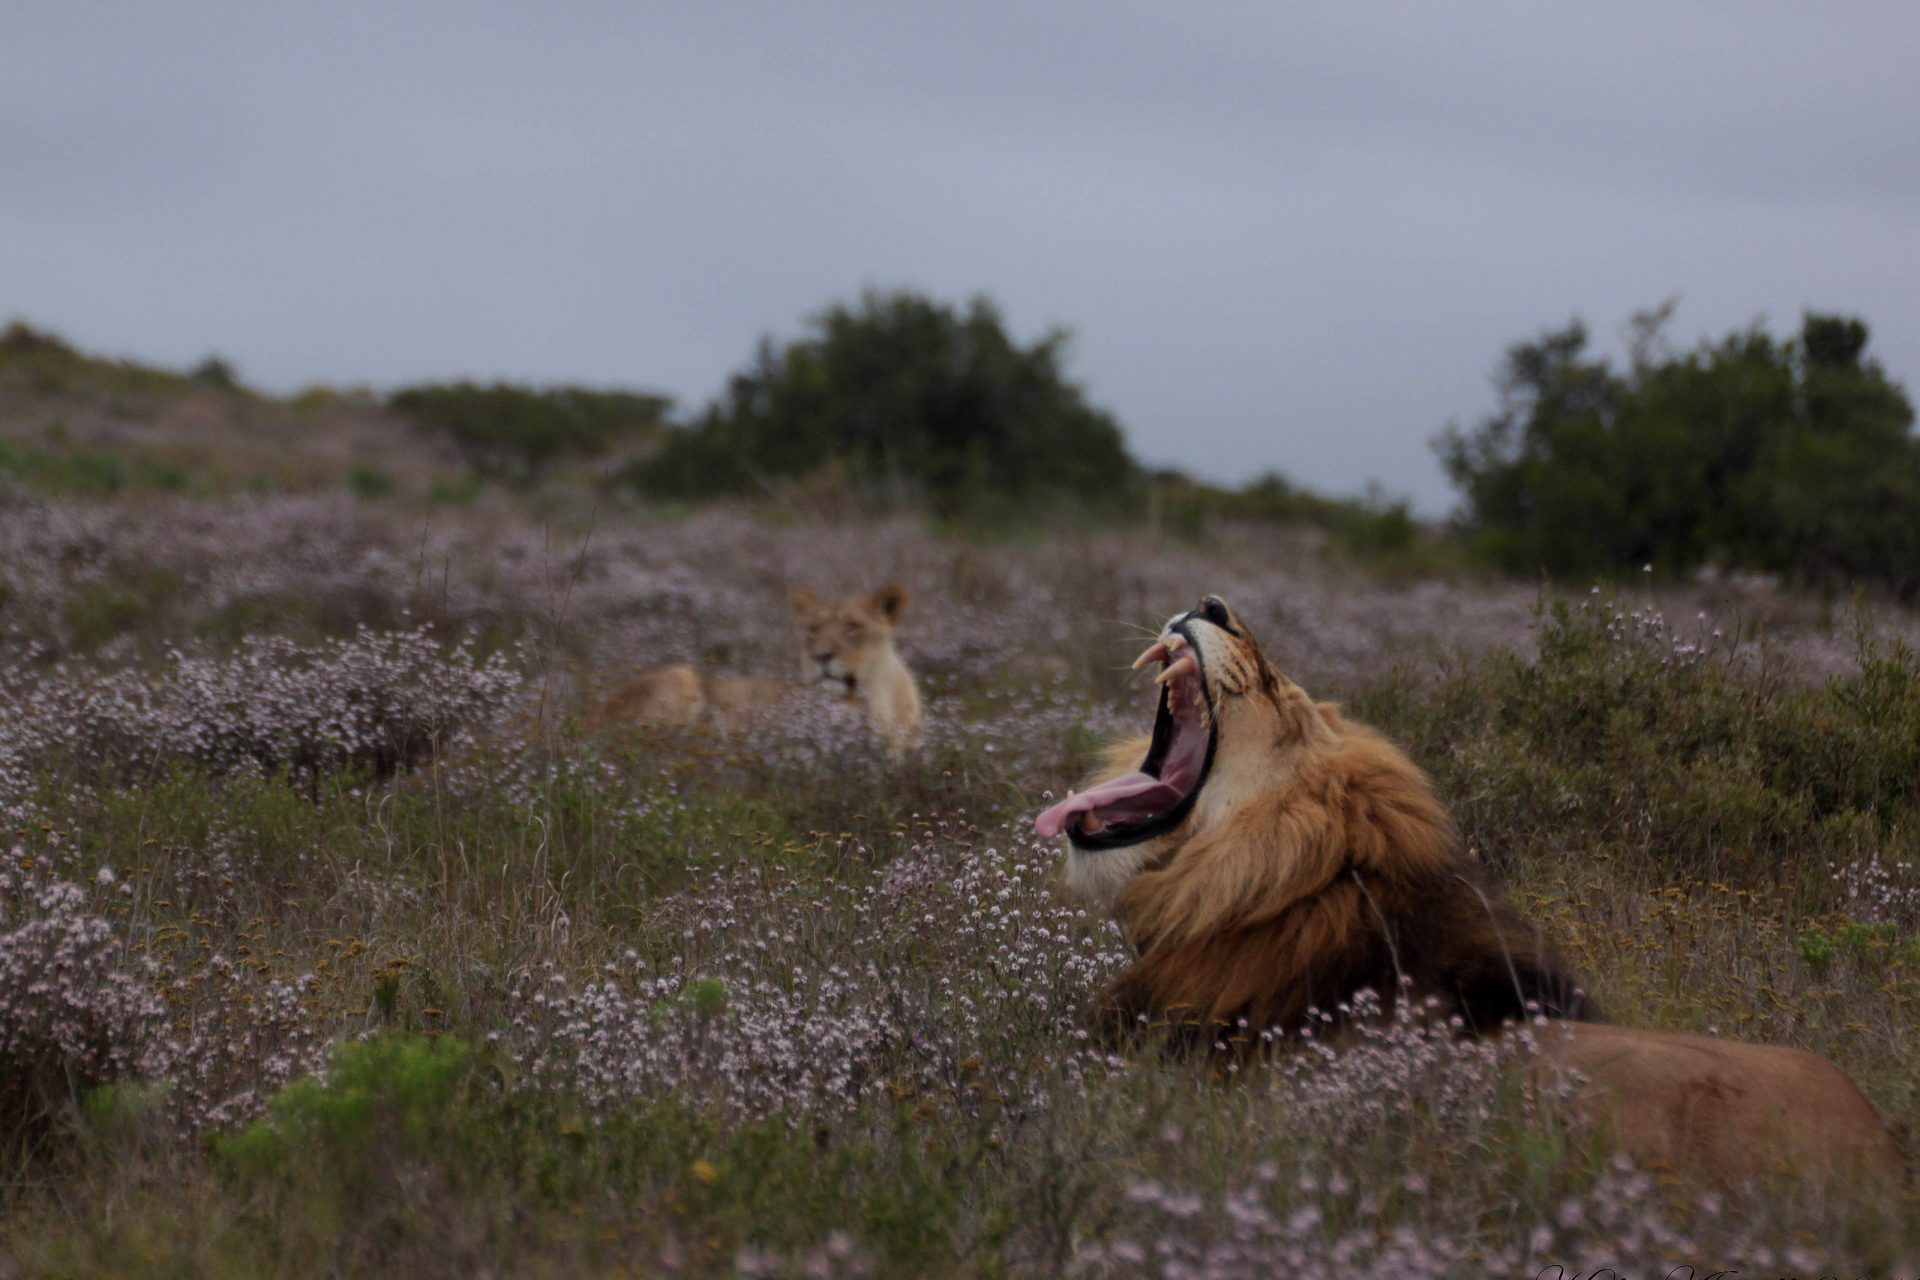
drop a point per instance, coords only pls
(1267, 857)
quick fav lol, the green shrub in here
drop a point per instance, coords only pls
(118, 605)
(43, 363)
(365, 481)
(216, 372)
(64, 470)
(1626, 737)
(513, 430)
(399, 1095)
(458, 491)
(1815, 947)
(404, 1136)
(1794, 457)
(909, 399)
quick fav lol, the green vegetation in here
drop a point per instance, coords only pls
(366, 481)
(400, 1090)
(217, 437)
(217, 372)
(569, 1006)
(1794, 457)
(911, 400)
(1375, 530)
(495, 996)
(412, 1151)
(902, 401)
(33, 361)
(62, 470)
(1668, 812)
(1783, 777)
(516, 431)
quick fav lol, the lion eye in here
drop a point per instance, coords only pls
(1214, 610)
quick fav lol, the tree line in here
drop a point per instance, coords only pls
(1793, 456)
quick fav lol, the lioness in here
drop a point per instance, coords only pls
(1265, 856)
(846, 647)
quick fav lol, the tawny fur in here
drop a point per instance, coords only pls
(846, 646)
(1722, 1112)
(1317, 860)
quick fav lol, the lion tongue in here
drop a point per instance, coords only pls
(1137, 793)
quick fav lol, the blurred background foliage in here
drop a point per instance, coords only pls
(1794, 457)
(1788, 456)
(515, 432)
(912, 401)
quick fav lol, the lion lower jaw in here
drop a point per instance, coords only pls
(1238, 778)
(1096, 877)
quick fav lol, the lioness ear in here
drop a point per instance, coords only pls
(803, 601)
(890, 601)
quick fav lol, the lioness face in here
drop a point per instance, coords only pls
(840, 639)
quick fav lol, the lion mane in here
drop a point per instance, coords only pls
(1312, 860)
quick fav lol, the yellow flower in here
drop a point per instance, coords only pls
(705, 1172)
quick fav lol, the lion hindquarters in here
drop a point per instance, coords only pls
(668, 696)
(1721, 1112)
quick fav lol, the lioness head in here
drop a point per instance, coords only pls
(843, 641)
(1224, 714)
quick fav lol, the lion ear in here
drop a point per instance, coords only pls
(890, 601)
(804, 602)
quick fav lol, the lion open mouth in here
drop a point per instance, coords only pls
(1155, 797)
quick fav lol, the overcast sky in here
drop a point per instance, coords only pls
(1286, 236)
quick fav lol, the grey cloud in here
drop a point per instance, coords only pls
(1292, 236)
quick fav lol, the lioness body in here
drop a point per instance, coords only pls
(846, 646)
(680, 697)
(1268, 857)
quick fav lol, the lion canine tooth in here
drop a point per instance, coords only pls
(1182, 666)
(1157, 652)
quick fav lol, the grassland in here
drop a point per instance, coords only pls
(330, 946)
